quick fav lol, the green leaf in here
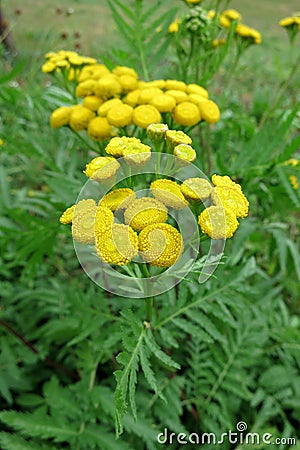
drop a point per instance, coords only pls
(38, 425)
(126, 11)
(295, 255)
(126, 31)
(292, 193)
(132, 385)
(148, 372)
(101, 438)
(10, 441)
(160, 355)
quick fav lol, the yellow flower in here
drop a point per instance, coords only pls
(157, 83)
(119, 246)
(225, 180)
(106, 106)
(117, 145)
(80, 117)
(108, 86)
(120, 115)
(132, 97)
(123, 70)
(291, 162)
(101, 168)
(179, 96)
(231, 14)
(289, 21)
(163, 102)
(294, 182)
(60, 117)
(145, 211)
(196, 189)
(174, 26)
(218, 42)
(169, 193)
(48, 67)
(95, 72)
(128, 83)
(231, 199)
(186, 113)
(104, 220)
(193, 2)
(144, 115)
(85, 88)
(174, 138)
(209, 111)
(92, 102)
(160, 244)
(136, 154)
(185, 152)
(146, 95)
(67, 216)
(118, 199)
(99, 129)
(156, 132)
(218, 223)
(224, 21)
(49, 55)
(248, 33)
(83, 221)
(175, 84)
(196, 89)
(196, 98)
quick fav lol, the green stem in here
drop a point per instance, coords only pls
(149, 307)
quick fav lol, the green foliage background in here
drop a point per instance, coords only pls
(78, 366)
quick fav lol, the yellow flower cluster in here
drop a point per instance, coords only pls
(159, 243)
(177, 142)
(117, 99)
(248, 34)
(228, 203)
(70, 61)
(291, 22)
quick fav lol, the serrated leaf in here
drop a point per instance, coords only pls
(102, 438)
(148, 372)
(204, 321)
(126, 11)
(9, 441)
(160, 355)
(37, 425)
(132, 385)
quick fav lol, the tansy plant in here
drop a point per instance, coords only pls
(147, 217)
